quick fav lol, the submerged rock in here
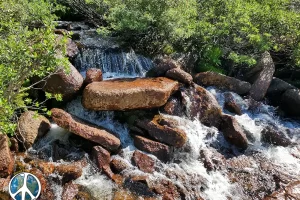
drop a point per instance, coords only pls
(275, 137)
(162, 132)
(179, 75)
(261, 76)
(126, 94)
(85, 130)
(233, 132)
(161, 151)
(6, 159)
(32, 126)
(67, 83)
(222, 82)
(231, 105)
(291, 191)
(290, 102)
(144, 162)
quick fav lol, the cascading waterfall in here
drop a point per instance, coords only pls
(213, 185)
(114, 63)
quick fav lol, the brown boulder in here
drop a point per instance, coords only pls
(144, 162)
(102, 157)
(85, 130)
(69, 172)
(126, 94)
(118, 165)
(72, 49)
(222, 82)
(261, 76)
(167, 189)
(70, 190)
(290, 102)
(6, 159)
(161, 151)
(201, 104)
(162, 65)
(167, 134)
(233, 132)
(93, 75)
(67, 83)
(31, 126)
(179, 75)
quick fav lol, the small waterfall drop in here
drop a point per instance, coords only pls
(114, 63)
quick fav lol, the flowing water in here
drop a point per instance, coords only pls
(194, 177)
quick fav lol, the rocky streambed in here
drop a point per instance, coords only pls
(170, 135)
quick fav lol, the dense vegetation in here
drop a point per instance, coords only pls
(28, 48)
(238, 30)
(213, 30)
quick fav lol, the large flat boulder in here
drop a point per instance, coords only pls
(31, 126)
(85, 130)
(261, 76)
(127, 94)
(222, 82)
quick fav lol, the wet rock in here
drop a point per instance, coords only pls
(174, 107)
(85, 130)
(118, 165)
(139, 186)
(167, 189)
(122, 194)
(261, 76)
(70, 190)
(31, 126)
(276, 137)
(68, 84)
(212, 159)
(163, 133)
(102, 157)
(290, 102)
(222, 82)
(6, 159)
(69, 172)
(231, 105)
(126, 94)
(276, 90)
(46, 168)
(200, 103)
(179, 75)
(291, 191)
(144, 162)
(233, 132)
(162, 66)
(4, 194)
(93, 75)
(161, 151)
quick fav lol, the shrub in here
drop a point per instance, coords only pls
(28, 48)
